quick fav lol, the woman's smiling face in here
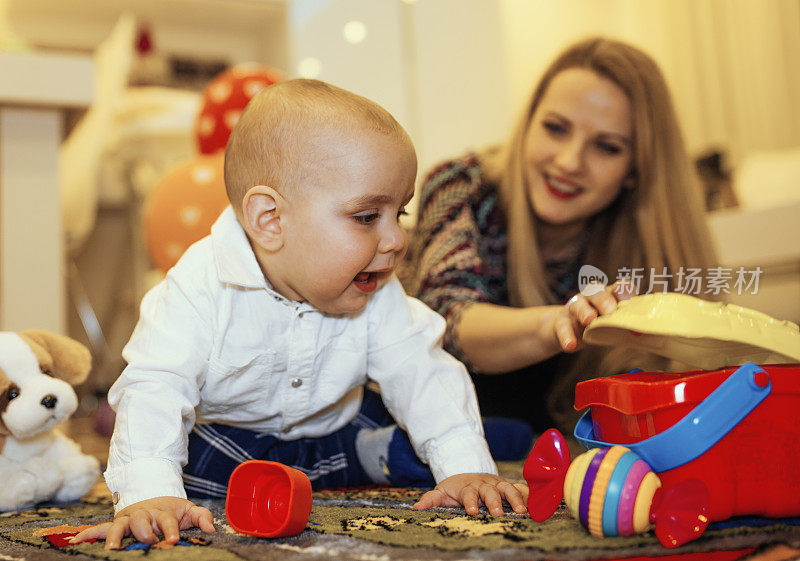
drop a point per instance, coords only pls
(578, 147)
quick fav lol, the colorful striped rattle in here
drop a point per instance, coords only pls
(612, 492)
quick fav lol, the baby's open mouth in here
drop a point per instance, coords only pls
(366, 282)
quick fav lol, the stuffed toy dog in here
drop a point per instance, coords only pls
(37, 462)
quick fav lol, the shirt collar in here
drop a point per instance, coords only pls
(235, 260)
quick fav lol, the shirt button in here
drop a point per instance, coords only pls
(286, 430)
(297, 382)
(115, 498)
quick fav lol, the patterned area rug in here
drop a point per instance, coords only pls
(377, 524)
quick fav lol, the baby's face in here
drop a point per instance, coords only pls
(343, 240)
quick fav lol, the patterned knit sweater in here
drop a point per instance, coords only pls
(460, 243)
(460, 246)
(458, 257)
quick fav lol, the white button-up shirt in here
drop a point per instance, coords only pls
(215, 343)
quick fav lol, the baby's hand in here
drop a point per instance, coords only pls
(571, 320)
(474, 489)
(165, 515)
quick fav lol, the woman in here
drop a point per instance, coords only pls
(595, 173)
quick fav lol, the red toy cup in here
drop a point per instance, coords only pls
(268, 499)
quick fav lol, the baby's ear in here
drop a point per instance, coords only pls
(262, 209)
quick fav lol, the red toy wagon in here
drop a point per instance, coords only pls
(743, 443)
(734, 426)
(674, 451)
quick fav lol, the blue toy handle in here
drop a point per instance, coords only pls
(702, 428)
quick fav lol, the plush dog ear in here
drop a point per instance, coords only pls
(63, 357)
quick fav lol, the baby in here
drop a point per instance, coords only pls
(260, 341)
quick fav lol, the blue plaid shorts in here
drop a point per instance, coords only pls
(329, 461)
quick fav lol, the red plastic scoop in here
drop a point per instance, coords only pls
(268, 499)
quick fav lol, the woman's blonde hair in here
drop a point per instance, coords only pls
(658, 223)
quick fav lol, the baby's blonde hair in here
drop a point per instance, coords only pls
(270, 143)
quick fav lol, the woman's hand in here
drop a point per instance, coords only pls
(573, 318)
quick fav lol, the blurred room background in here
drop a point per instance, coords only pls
(100, 101)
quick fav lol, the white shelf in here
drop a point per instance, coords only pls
(232, 30)
(49, 80)
(35, 91)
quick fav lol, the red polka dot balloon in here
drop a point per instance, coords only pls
(182, 207)
(224, 99)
